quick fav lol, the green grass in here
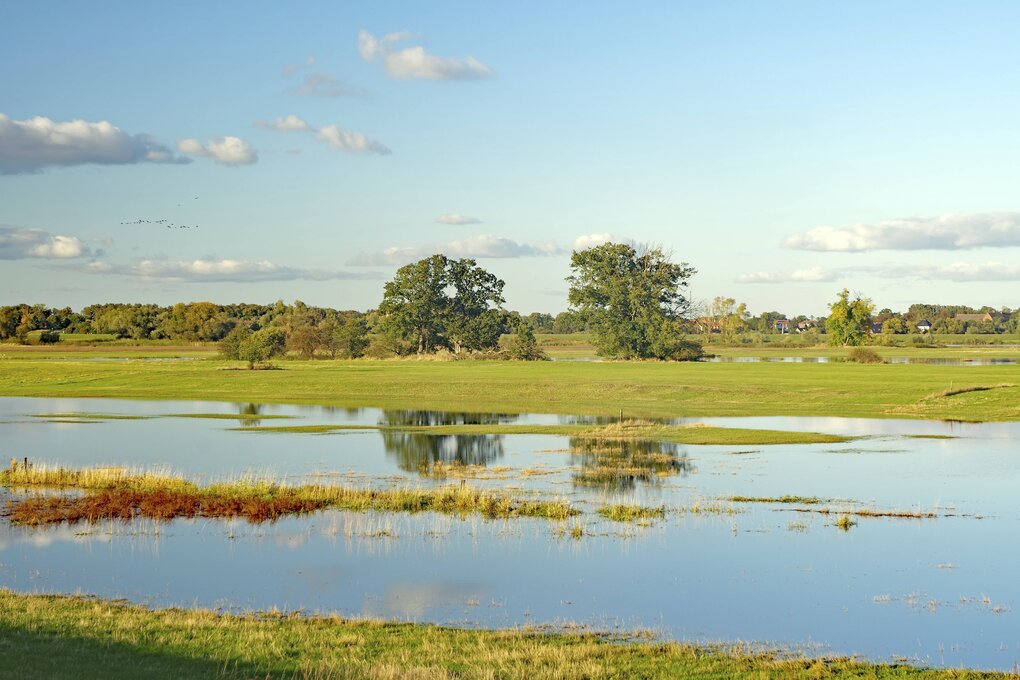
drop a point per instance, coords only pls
(81, 638)
(631, 513)
(676, 434)
(637, 388)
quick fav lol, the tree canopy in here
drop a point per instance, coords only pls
(849, 321)
(633, 301)
(440, 303)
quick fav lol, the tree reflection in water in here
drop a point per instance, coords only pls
(618, 465)
(248, 414)
(419, 451)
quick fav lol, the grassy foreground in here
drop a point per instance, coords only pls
(78, 637)
(607, 388)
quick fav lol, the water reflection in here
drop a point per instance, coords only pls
(420, 451)
(248, 414)
(619, 465)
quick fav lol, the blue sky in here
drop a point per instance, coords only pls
(785, 149)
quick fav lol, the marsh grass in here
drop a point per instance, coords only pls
(870, 512)
(80, 637)
(800, 500)
(621, 512)
(844, 522)
(117, 493)
(708, 508)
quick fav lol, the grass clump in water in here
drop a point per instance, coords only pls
(800, 500)
(621, 512)
(114, 493)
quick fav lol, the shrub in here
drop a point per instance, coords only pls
(864, 355)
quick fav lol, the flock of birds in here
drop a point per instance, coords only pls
(165, 223)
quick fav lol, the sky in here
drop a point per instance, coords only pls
(250, 152)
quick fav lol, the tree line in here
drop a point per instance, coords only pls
(633, 300)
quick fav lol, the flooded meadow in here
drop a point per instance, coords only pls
(896, 544)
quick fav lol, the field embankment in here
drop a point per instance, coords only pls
(637, 389)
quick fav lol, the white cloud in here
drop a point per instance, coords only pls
(414, 63)
(35, 143)
(226, 150)
(334, 136)
(17, 244)
(957, 272)
(323, 85)
(457, 219)
(586, 241)
(953, 231)
(481, 246)
(812, 275)
(218, 270)
(289, 123)
(347, 140)
(290, 69)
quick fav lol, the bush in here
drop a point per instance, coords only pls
(864, 355)
(49, 337)
(523, 346)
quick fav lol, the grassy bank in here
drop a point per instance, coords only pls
(82, 638)
(637, 388)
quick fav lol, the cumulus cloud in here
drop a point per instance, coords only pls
(18, 244)
(812, 275)
(333, 136)
(957, 272)
(226, 150)
(457, 219)
(346, 140)
(36, 143)
(586, 241)
(953, 231)
(414, 63)
(289, 123)
(481, 246)
(218, 270)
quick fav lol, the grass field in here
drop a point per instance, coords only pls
(637, 389)
(83, 638)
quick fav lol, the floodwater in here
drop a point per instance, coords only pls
(941, 591)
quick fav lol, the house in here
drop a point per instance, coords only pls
(806, 325)
(924, 326)
(782, 325)
(974, 318)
